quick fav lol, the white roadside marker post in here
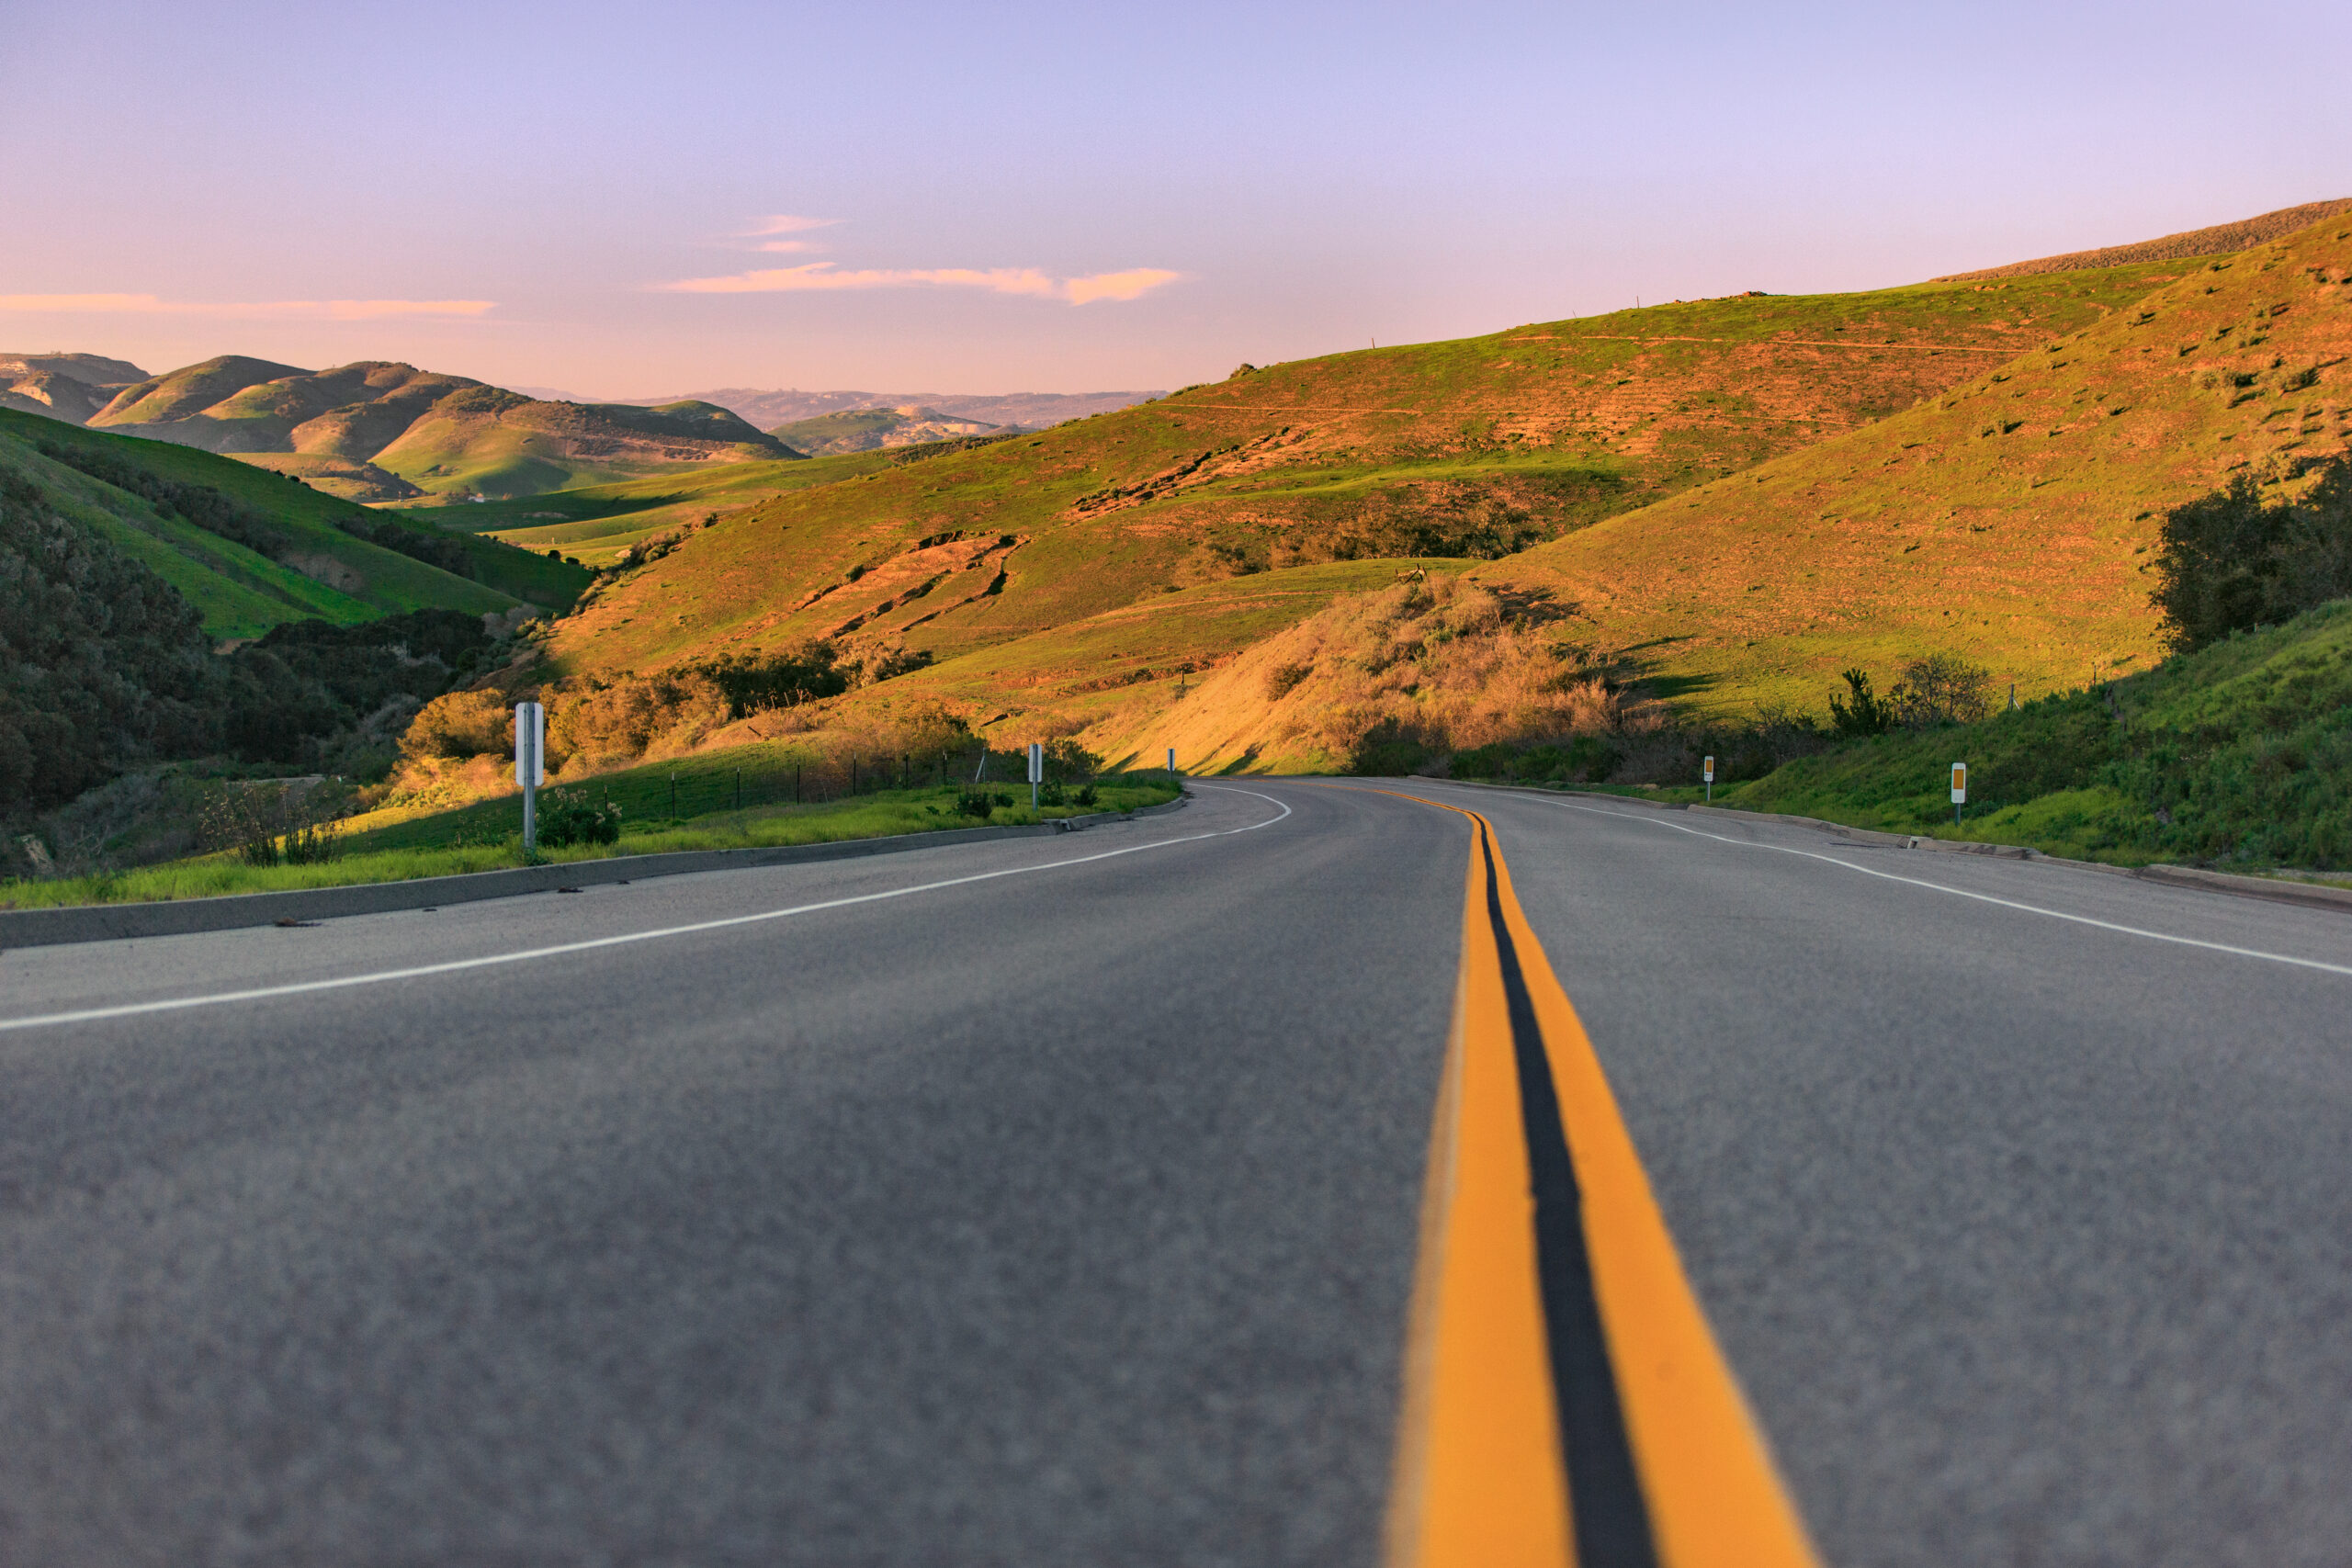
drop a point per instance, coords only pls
(1707, 772)
(1036, 772)
(1958, 789)
(1172, 764)
(530, 767)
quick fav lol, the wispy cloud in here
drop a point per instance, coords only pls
(302, 310)
(785, 223)
(814, 276)
(765, 231)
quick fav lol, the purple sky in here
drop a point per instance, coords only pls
(1004, 197)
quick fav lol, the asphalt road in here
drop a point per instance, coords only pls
(1069, 1216)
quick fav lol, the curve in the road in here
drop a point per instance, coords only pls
(493, 960)
(1562, 1384)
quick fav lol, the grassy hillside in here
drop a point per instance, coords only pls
(2239, 754)
(444, 435)
(322, 571)
(597, 523)
(2008, 519)
(1465, 449)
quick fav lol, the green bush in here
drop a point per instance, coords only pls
(566, 818)
(2234, 560)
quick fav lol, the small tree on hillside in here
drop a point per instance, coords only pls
(1862, 711)
(1941, 689)
(2231, 562)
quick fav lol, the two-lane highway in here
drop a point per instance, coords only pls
(1067, 1201)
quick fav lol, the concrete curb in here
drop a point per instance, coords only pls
(2306, 894)
(113, 922)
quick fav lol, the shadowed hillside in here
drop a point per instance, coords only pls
(251, 550)
(70, 387)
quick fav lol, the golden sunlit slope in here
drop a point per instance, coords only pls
(1465, 448)
(2010, 520)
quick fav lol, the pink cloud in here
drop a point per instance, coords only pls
(813, 276)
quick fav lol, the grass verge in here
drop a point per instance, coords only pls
(467, 846)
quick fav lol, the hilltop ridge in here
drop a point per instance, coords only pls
(2222, 238)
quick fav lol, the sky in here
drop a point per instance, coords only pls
(637, 200)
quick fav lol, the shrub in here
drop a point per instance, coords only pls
(2230, 562)
(980, 803)
(1940, 689)
(787, 678)
(620, 719)
(1284, 679)
(462, 724)
(566, 817)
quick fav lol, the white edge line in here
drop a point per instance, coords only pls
(455, 966)
(1961, 892)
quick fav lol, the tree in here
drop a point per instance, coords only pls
(1865, 714)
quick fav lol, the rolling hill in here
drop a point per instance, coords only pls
(70, 387)
(1461, 450)
(378, 431)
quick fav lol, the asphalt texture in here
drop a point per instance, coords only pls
(1069, 1216)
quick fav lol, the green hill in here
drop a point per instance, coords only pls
(251, 550)
(348, 428)
(597, 523)
(2237, 754)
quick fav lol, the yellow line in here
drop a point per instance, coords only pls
(1480, 1478)
(1478, 1371)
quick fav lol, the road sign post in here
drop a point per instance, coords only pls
(1707, 772)
(1172, 764)
(530, 767)
(1036, 772)
(1958, 789)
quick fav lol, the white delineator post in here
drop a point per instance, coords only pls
(1036, 772)
(1958, 789)
(530, 766)
(1172, 764)
(1707, 772)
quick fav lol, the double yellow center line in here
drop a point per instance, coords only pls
(1565, 1400)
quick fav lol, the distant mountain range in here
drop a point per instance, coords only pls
(862, 430)
(380, 431)
(1022, 410)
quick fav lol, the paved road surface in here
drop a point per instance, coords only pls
(1071, 1214)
